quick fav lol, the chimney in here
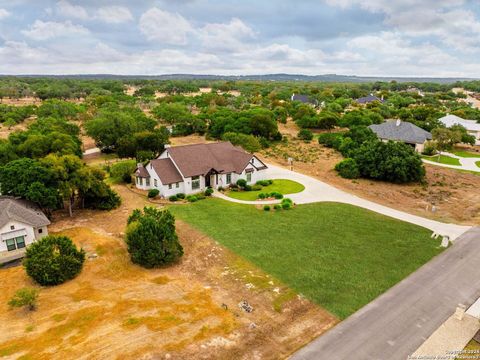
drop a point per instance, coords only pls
(398, 122)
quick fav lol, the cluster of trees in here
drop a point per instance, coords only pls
(11, 115)
(368, 157)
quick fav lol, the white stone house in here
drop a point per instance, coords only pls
(21, 223)
(190, 169)
(472, 126)
(402, 131)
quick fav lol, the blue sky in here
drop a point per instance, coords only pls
(354, 37)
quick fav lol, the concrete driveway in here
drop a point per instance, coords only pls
(318, 191)
(468, 164)
(395, 324)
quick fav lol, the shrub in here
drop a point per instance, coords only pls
(151, 238)
(330, 140)
(263, 182)
(180, 196)
(348, 169)
(26, 297)
(286, 206)
(241, 183)
(262, 196)
(101, 197)
(192, 198)
(208, 192)
(266, 208)
(153, 193)
(200, 196)
(53, 260)
(277, 207)
(247, 188)
(220, 188)
(276, 195)
(305, 134)
(123, 170)
(173, 198)
(430, 148)
(287, 200)
(256, 187)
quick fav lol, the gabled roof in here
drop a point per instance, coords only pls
(367, 99)
(304, 99)
(401, 131)
(166, 171)
(450, 120)
(140, 171)
(199, 159)
(22, 211)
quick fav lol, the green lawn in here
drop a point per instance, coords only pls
(339, 256)
(477, 163)
(467, 154)
(443, 159)
(279, 185)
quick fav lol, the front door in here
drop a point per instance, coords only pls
(207, 180)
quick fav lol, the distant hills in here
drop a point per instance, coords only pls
(266, 77)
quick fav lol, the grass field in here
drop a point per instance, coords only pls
(337, 255)
(443, 159)
(477, 163)
(467, 154)
(279, 185)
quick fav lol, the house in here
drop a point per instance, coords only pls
(472, 126)
(304, 99)
(397, 130)
(191, 169)
(21, 223)
(368, 99)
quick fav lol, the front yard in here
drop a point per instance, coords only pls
(340, 256)
(282, 186)
(443, 159)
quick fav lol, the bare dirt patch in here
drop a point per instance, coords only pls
(116, 310)
(454, 195)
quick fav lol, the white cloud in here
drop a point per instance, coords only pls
(229, 36)
(41, 30)
(114, 14)
(69, 10)
(165, 27)
(3, 14)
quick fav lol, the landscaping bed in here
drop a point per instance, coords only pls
(340, 256)
(281, 186)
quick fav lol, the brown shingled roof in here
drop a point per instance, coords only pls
(166, 171)
(199, 159)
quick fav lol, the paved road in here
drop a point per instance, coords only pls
(316, 191)
(395, 324)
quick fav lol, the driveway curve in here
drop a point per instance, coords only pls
(318, 191)
(467, 164)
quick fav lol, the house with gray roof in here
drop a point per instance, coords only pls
(472, 126)
(368, 99)
(191, 169)
(397, 130)
(304, 99)
(21, 223)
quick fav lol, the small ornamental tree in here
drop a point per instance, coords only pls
(53, 260)
(151, 238)
(26, 297)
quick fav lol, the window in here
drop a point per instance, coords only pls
(249, 177)
(147, 182)
(40, 231)
(10, 244)
(155, 182)
(12, 227)
(195, 182)
(170, 186)
(20, 242)
(229, 178)
(140, 182)
(177, 185)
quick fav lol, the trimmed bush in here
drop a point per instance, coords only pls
(277, 207)
(173, 198)
(153, 193)
(208, 192)
(200, 196)
(263, 182)
(192, 198)
(262, 196)
(247, 188)
(287, 200)
(52, 260)
(276, 195)
(242, 183)
(286, 206)
(257, 187)
(151, 238)
(266, 208)
(348, 169)
(180, 196)
(220, 188)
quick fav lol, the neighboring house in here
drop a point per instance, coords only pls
(368, 99)
(472, 126)
(397, 130)
(21, 223)
(304, 99)
(190, 169)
